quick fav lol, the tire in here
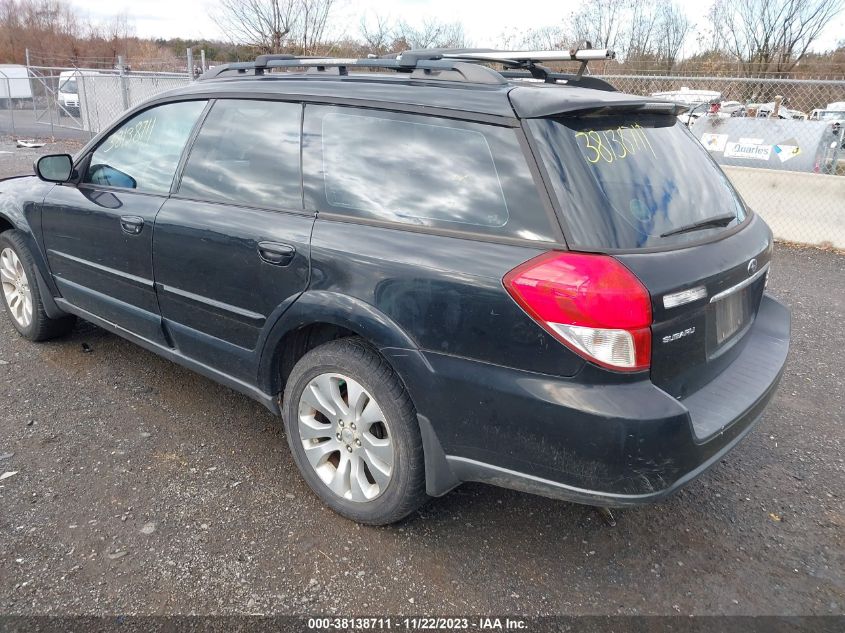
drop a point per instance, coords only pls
(21, 294)
(371, 472)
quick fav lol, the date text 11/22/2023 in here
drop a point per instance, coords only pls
(418, 623)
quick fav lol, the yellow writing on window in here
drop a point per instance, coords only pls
(615, 144)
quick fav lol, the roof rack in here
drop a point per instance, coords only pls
(422, 68)
(530, 60)
(441, 63)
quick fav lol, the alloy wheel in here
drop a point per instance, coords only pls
(16, 289)
(346, 437)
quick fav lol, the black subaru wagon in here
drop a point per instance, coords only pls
(435, 273)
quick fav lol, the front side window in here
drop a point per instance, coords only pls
(421, 170)
(247, 152)
(143, 153)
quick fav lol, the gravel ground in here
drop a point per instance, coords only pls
(144, 488)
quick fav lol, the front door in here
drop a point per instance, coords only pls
(231, 246)
(99, 234)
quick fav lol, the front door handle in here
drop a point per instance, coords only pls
(275, 253)
(131, 224)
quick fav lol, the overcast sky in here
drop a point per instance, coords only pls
(482, 23)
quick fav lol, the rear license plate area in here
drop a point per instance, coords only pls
(731, 314)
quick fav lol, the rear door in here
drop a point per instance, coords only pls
(643, 189)
(98, 234)
(231, 246)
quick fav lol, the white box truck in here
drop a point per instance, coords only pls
(14, 85)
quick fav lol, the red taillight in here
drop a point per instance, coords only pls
(590, 303)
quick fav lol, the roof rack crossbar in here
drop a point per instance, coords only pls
(530, 60)
(512, 58)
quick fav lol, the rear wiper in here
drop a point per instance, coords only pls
(716, 220)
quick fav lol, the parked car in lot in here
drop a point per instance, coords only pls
(67, 91)
(834, 112)
(435, 274)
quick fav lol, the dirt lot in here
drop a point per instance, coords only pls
(145, 488)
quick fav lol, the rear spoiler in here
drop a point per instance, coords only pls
(644, 107)
(542, 100)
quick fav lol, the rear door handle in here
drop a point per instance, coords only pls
(131, 224)
(275, 253)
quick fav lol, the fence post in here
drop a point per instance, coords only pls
(88, 99)
(202, 60)
(30, 75)
(124, 86)
(776, 110)
(191, 64)
(52, 102)
(9, 101)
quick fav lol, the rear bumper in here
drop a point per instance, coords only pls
(614, 444)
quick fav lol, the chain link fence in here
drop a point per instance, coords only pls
(780, 141)
(103, 97)
(73, 103)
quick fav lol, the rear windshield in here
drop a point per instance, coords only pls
(628, 182)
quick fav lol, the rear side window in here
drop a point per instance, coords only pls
(629, 182)
(421, 170)
(247, 153)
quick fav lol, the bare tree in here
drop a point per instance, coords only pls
(310, 26)
(599, 22)
(431, 34)
(639, 30)
(673, 29)
(56, 35)
(115, 34)
(377, 35)
(769, 35)
(49, 27)
(636, 30)
(275, 26)
(264, 24)
(545, 38)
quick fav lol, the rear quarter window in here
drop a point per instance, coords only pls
(423, 171)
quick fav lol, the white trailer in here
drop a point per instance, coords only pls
(14, 83)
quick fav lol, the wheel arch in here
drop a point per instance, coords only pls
(315, 318)
(5, 223)
(42, 273)
(318, 317)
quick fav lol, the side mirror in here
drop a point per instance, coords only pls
(54, 167)
(111, 177)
